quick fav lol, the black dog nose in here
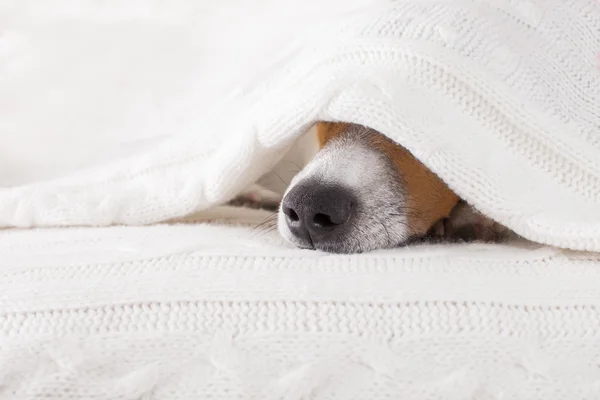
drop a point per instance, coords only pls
(315, 211)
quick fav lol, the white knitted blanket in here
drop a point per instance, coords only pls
(500, 98)
(172, 312)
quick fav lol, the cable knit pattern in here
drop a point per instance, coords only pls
(213, 312)
(500, 98)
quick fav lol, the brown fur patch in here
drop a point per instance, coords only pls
(429, 199)
(328, 130)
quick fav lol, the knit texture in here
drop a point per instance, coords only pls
(203, 311)
(500, 98)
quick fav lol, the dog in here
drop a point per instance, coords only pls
(362, 192)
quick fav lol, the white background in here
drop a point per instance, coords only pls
(83, 82)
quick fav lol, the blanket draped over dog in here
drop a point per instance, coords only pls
(500, 98)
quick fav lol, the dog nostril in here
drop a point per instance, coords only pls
(316, 213)
(323, 220)
(291, 214)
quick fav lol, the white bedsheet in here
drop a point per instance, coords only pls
(208, 311)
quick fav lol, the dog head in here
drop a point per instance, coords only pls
(361, 192)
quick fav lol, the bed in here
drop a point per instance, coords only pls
(226, 310)
(124, 131)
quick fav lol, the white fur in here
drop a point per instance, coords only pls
(349, 161)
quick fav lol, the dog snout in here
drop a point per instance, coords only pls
(315, 213)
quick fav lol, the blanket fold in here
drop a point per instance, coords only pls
(500, 98)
